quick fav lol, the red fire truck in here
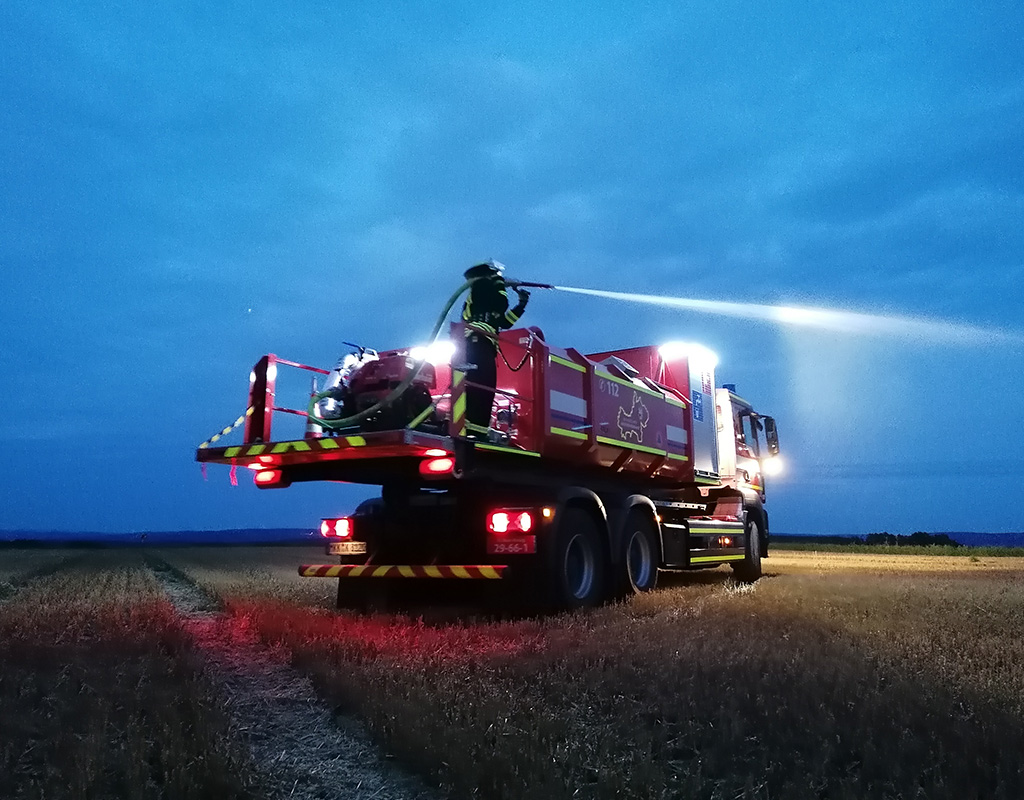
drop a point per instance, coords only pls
(598, 470)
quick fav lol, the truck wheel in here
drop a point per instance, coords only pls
(639, 556)
(578, 565)
(749, 569)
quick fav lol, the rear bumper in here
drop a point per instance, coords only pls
(491, 572)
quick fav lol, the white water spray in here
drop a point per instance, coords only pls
(920, 329)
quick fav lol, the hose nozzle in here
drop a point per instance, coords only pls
(530, 284)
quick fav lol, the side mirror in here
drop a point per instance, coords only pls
(771, 435)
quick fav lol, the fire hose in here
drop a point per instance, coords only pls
(400, 389)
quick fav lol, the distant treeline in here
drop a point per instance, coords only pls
(916, 539)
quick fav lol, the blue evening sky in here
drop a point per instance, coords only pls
(186, 186)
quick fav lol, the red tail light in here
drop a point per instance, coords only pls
(434, 467)
(267, 477)
(338, 528)
(510, 521)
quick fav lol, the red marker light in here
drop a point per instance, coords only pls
(340, 528)
(510, 522)
(268, 477)
(437, 466)
(436, 451)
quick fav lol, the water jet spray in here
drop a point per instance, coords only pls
(923, 329)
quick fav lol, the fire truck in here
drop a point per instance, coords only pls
(597, 471)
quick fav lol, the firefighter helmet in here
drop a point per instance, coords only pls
(487, 269)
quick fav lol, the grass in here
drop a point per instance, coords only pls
(837, 676)
(101, 693)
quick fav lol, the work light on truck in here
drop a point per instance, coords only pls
(336, 528)
(510, 521)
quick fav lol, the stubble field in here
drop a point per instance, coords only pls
(835, 676)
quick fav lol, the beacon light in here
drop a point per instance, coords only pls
(672, 351)
(439, 352)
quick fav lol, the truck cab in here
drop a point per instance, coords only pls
(746, 442)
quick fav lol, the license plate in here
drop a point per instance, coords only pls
(508, 545)
(346, 548)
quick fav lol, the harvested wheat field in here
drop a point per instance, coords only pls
(218, 672)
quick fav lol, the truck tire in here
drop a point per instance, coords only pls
(749, 569)
(639, 556)
(578, 572)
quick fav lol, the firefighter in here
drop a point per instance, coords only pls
(486, 312)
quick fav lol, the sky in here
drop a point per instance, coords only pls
(187, 186)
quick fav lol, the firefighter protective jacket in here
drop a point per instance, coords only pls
(486, 309)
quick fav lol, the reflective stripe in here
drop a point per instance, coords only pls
(566, 363)
(512, 450)
(632, 446)
(465, 572)
(705, 559)
(481, 327)
(568, 433)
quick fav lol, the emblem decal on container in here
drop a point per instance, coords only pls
(633, 422)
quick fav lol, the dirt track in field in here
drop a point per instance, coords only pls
(304, 750)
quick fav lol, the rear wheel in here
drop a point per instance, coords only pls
(578, 571)
(749, 569)
(639, 556)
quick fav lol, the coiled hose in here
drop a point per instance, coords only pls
(394, 394)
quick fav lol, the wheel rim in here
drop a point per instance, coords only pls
(638, 559)
(579, 567)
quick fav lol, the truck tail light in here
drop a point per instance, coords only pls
(435, 467)
(336, 528)
(267, 477)
(506, 521)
